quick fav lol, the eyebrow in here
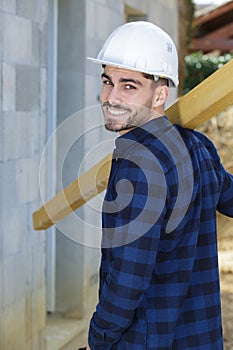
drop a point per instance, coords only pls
(122, 80)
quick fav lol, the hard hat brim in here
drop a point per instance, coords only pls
(172, 81)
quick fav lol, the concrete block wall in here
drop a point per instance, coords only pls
(23, 91)
(23, 71)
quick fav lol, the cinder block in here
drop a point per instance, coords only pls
(15, 236)
(20, 182)
(27, 180)
(91, 20)
(103, 2)
(44, 8)
(0, 75)
(29, 9)
(38, 267)
(10, 135)
(118, 7)
(17, 39)
(8, 87)
(9, 197)
(27, 88)
(109, 24)
(8, 6)
(36, 43)
(38, 237)
(1, 198)
(9, 281)
(103, 28)
(34, 134)
(17, 327)
(2, 335)
(38, 310)
(22, 278)
(43, 127)
(20, 134)
(91, 98)
(1, 292)
(44, 45)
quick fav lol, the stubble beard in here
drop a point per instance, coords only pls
(137, 117)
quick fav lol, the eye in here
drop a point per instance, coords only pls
(129, 87)
(107, 82)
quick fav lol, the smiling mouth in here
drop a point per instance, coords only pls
(117, 112)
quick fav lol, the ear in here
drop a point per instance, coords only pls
(160, 96)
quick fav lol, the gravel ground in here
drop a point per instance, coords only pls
(227, 309)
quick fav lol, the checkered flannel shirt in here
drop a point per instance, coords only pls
(159, 290)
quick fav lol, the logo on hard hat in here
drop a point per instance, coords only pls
(169, 47)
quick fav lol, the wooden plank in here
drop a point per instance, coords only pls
(74, 195)
(199, 105)
(206, 100)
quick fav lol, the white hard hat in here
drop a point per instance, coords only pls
(144, 47)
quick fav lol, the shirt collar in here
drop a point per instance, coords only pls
(126, 142)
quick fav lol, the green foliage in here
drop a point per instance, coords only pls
(199, 67)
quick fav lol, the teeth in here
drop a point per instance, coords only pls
(116, 112)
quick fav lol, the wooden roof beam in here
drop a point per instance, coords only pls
(224, 32)
(216, 13)
(209, 44)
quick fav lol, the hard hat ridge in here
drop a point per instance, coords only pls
(141, 46)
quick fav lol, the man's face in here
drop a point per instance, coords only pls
(126, 98)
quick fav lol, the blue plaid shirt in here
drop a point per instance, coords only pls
(159, 288)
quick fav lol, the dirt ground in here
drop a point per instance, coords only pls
(227, 310)
(226, 273)
(220, 130)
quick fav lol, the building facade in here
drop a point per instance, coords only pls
(49, 279)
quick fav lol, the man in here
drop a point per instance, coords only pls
(159, 279)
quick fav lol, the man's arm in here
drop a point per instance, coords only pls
(225, 203)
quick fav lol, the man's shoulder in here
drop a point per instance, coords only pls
(194, 136)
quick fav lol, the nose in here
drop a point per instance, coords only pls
(114, 96)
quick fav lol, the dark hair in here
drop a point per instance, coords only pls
(148, 76)
(151, 77)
